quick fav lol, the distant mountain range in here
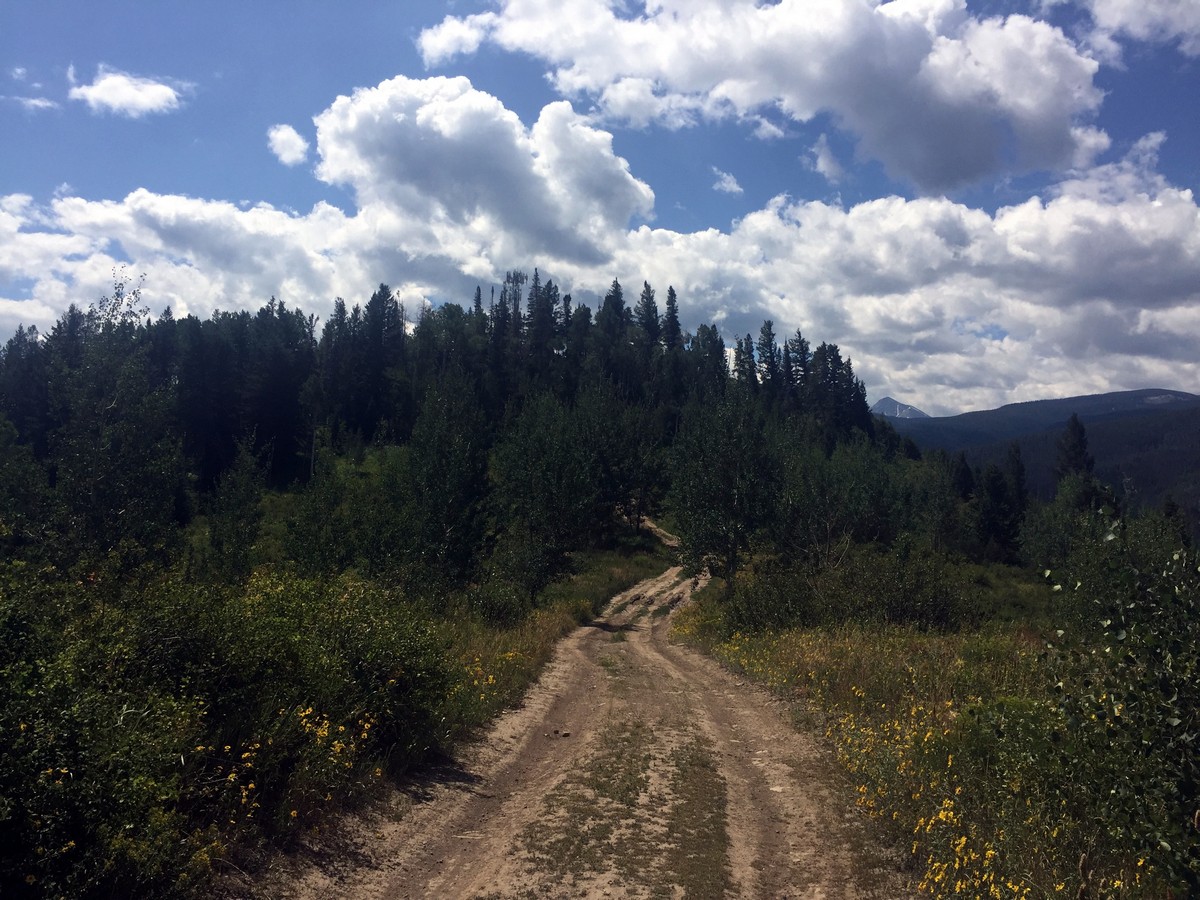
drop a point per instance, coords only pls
(1014, 420)
(894, 409)
(1146, 443)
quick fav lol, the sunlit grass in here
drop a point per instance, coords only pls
(949, 741)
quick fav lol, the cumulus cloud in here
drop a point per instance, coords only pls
(482, 184)
(132, 96)
(941, 97)
(1091, 287)
(639, 102)
(1161, 21)
(454, 36)
(725, 183)
(288, 146)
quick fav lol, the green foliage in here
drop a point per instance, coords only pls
(447, 471)
(935, 503)
(1008, 767)
(908, 584)
(544, 492)
(1129, 691)
(236, 515)
(319, 536)
(90, 775)
(954, 742)
(721, 484)
(1073, 457)
(996, 514)
(24, 494)
(116, 460)
(826, 503)
(143, 737)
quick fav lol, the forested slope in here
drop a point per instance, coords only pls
(1145, 442)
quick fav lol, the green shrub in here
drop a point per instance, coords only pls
(149, 727)
(1129, 688)
(91, 765)
(907, 584)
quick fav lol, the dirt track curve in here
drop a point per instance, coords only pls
(635, 768)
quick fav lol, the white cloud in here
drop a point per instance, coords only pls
(478, 181)
(942, 98)
(725, 182)
(1164, 21)
(635, 101)
(33, 104)
(122, 94)
(823, 160)
(287, 144)
(1093, 287)
(18, 73)
(454, 36)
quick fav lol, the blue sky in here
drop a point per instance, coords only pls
(978, 202)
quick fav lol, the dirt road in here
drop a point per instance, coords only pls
(635, 768)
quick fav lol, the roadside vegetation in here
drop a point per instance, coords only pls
(1049, 753)
(249, 572)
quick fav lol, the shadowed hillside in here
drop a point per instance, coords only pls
(1146, 443)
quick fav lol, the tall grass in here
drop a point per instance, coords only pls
(954, 742)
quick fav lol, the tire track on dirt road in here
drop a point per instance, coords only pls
(634, 768)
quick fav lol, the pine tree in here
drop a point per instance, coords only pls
(646, 316)
(540, 326)
(24, 494)
(672, 335)
(787, 377)
(769, 363)
(383, 340)
(117, 459)
(708, 363)
(961, 477)
(1073, 456)
(447, 479)
(1014, 476)
(613, 315)
(564, 316)
(478, 316)
(997, 523)
(801, 360)
(24, 377)
(744, 368)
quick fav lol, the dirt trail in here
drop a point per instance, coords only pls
(635, 768)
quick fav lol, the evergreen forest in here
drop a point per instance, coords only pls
(256, 566)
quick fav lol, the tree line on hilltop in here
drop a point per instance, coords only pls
(121, 428)
(492, 437)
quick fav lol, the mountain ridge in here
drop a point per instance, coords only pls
(1145, 443)
(1012, 420)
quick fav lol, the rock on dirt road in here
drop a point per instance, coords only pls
(635, 768)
